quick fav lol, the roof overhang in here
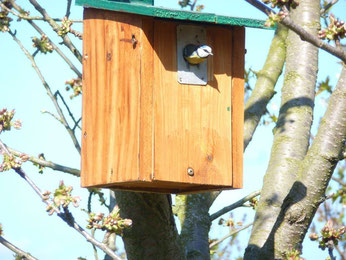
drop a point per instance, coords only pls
(174, 14)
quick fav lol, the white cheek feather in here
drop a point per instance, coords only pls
(202, 53)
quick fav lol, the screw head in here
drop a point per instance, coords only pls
(190, 171)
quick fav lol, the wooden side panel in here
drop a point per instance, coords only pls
(192, 124)
(111, 97)
(238, 66)
(146, 100)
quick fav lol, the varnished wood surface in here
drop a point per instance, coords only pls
(111, 98)
(192, 123)
(238, 66)
(142, 130)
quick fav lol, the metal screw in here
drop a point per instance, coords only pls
(190, 171)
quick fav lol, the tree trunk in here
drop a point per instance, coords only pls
(316, 171)
(192, 211)
(153, 234)
(291, 134)
(266, 80)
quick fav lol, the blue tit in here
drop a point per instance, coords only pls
(195, 54)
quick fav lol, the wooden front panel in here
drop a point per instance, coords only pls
(142, 130)
(192, 124)
(111, 97)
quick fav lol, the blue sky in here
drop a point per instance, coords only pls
(23, 215)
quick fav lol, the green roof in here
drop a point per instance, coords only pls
(160, 12)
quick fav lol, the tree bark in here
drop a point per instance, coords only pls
(153, 234)
(291, 134)
(263, 91)
(192, 211)
(316, 171)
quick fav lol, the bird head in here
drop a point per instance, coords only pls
(204, 51)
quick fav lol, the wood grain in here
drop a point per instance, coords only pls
(111, 98)
(238, 66)
(146, 135)
(192, 123)
(141, 129)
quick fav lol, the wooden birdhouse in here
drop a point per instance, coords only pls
(151, 121)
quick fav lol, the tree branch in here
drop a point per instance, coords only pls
(49, 92)
(15, 249)
(68, 8)
(52, 115)
(260, 6)
(32, 18)
(303, 34)
(66, 215)
(235, 205)
(58, 50)
(66, 40)
(329, 5)
(57, 93)
(315, 172)
(49, 164)
(232, 233)
(263, 92)
(340, 181)
(193, 213)
(341, 252)
(291, 133)
(55, 47)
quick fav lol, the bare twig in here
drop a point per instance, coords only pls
(340, 181)
(57, 93)
(232, 233)
(340, 251)
(94, 247)
(66, 40)
(77, 124)
(76, 33)
(235, 205)
(68, 8)
(260, 6)
(66, 215)
(49, 164)
(192, 6)
(34, 18)
(17, 250)
(52, 115)
(330, 252)
(329, 5)
(55, 47)
(49, 92)
(304, 35)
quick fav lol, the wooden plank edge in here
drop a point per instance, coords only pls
(238, 66)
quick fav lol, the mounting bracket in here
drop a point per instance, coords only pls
(190, 74)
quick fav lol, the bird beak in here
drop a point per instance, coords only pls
(211, 54)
